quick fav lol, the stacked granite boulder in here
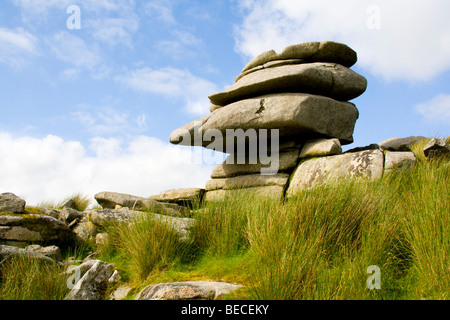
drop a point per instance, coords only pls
(302, 92)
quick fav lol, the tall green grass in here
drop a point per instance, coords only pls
(143, 246)
(27, 278)
(319, 244)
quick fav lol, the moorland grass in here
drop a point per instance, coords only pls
(317, 244)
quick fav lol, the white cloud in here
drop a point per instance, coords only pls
(114, 31)
(17, 46)
(173, 83)
(412, 42)
(73, 50)
(160, 10)
(108, 120)
(50, 169)
(436, 110)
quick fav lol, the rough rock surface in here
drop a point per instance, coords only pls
(102, 217)
(247, 181)
(293, 114)
(9, 202)
(109, 200)
(400, 144)
(326, 79)
(8, 252)
(368, 164)
(436, 148)
(321, 148)
(35, 228)
(190, 290)
(272, 192)
(325, 51)
(93, 282)
(186, 197)
(287, 160)
(395, 160)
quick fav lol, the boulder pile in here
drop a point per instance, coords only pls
(283, 107)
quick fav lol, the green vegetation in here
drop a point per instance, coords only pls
(316, 245)
(82, 202)
(26, 278)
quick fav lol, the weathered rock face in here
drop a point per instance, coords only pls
(190, 290)
(287, 160)
(293, 114)
(109, 200)
(8, 252)
(326, 79)
(105, 216)
(183, 197)
(34, 228)
(9, 202)
(436, 148)
(325, 51)
(400, 144)
(288, 98)
(368, 164)
(267, 192)
(398, 159)
(248, 181)
(321, 148)
(95, 278)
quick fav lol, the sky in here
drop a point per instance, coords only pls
(90, 90)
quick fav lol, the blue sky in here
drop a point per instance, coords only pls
(91, 109)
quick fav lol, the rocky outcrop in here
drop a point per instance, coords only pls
(109, 200)
(91, 280)
(367, 164)
(190, 290)
(34, 228)
(400, 144)
(436, 148)
(188, 197)
(395, 160)
(9, 202)
(283, 108)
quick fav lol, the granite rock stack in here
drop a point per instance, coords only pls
(299, 96)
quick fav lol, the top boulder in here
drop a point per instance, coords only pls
(325, 51)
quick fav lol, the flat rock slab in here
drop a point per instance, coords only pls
(190, 290)
(247, 181)
(400, 144)
(105, 216)
(293, 114)
(34, 228)
(268, 192)
(326, 79)
(180, 196)
(287, 160)
(321, 148)
(395, 160)
(109, 200)
(325, 51)
(310, 173)
(8, 252)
